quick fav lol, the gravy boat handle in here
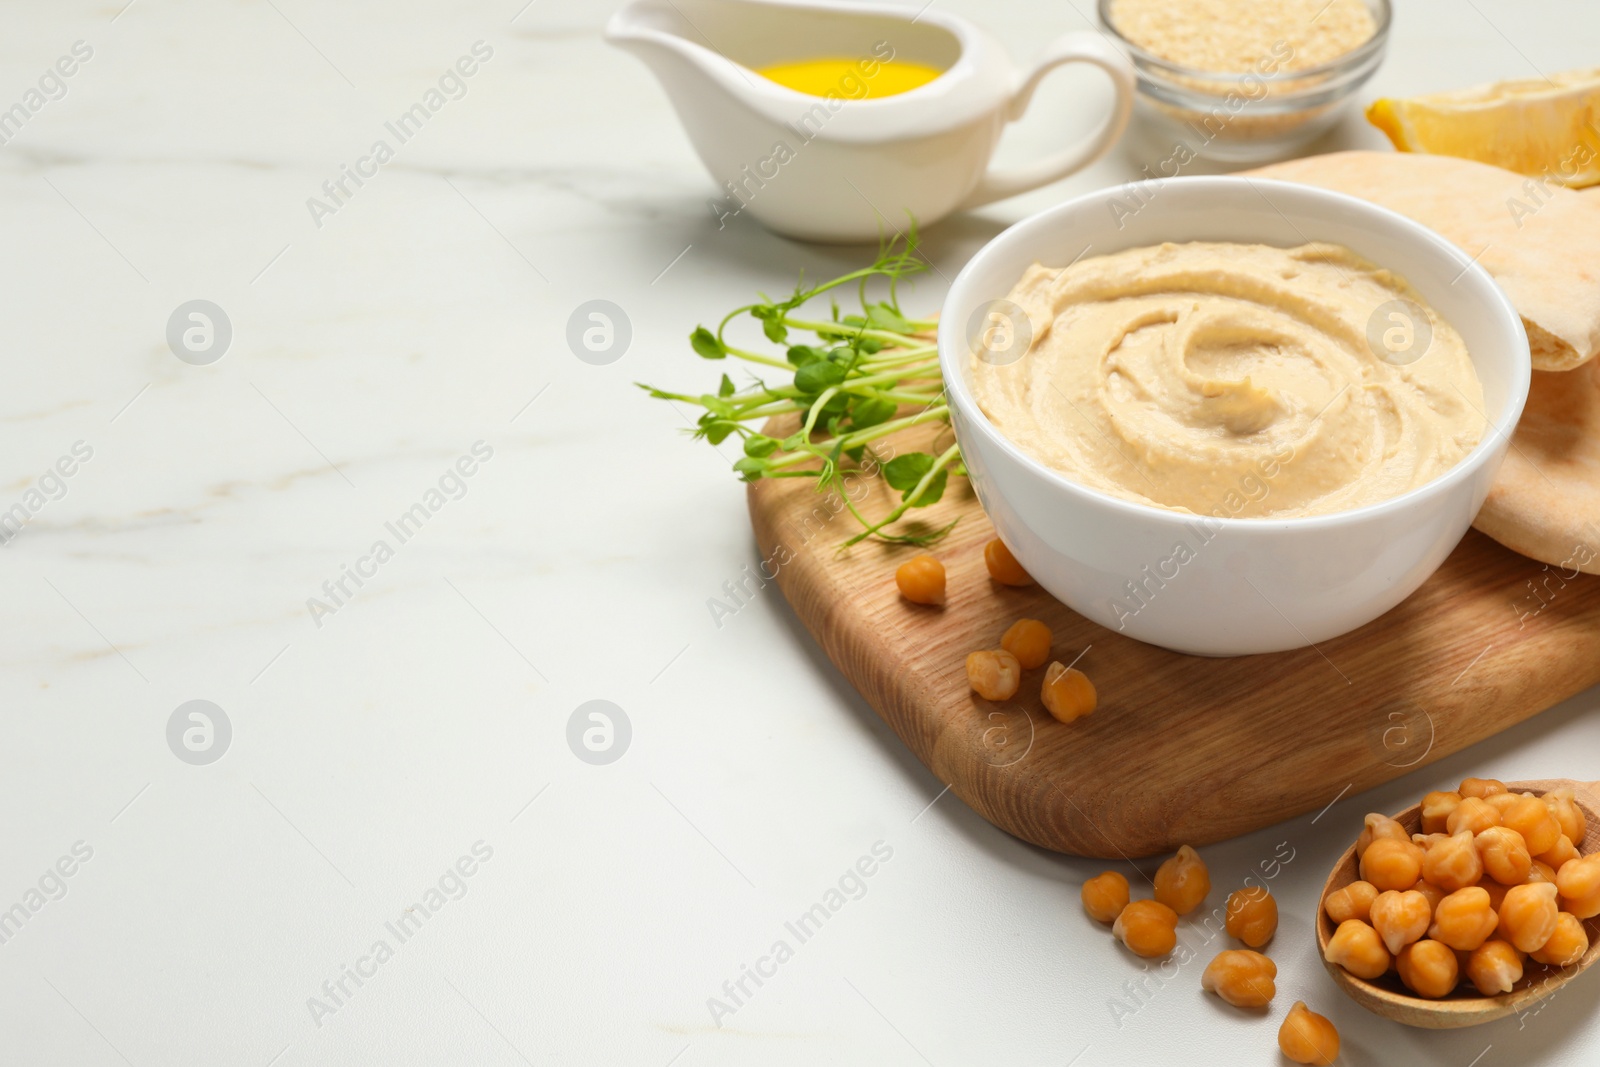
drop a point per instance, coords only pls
(1082, 47)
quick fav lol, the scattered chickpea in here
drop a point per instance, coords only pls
(1378, 828)
(1241, 977)
(994, 675)
(1528, 916)
(1464, 919)
(1182, 882)
(1567, 945)
(1003, 566)
(1472, 814)
(1558, 856)
(1306, 1037)
(1354, 901)
(921, 580)
(1436, 809)
(1104, 896)
(1067, 693)
(1401, 918)
(1252, 916)
(1567, 813)
(1029, 641)
(1579, 879)
(1495, 967)
(1429, 968)
(1529, 816)
(1481, 787)
(1505, 855)
(1148, 928)
(1453, 862)
(1357, 948)
(1391, 864)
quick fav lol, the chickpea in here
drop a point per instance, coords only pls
(1105, 895)
(1464, 919)
(1583, 907)
(1567, 945)
(1495, 967)
(1148, 928)
(1541, 872)
(1567, 813)
(1431, 891)
(1357, 948)
(1579, 879)
(1354, 901)
(1003, 566)
(921, 580)
(1472, 814)
(1306, 1037)
(994, 675)
(1528, 916)
(1496, 891)
(1436, 809)
(1505, 855)
(1453, 862)
(1529, 817)
(1481, 787)
(1428, 968)
(1029, 641)
(1182, 882)
(1252, 916)
(1500, 802)
(1391, 864)
(1067, 693)
(1401, 918)
(1563, 851)
(1377, 828)
(1241, 977)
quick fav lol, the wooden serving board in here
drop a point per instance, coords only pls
(1183, 749)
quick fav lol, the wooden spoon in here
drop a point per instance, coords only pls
(1465, 1007)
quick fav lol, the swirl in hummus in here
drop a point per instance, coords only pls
(1232, 380)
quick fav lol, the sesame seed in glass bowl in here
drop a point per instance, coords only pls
(1246, 81)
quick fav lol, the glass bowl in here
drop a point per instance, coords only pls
(1248, 116)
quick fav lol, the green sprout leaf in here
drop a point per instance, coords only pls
(906, 473)
(772, 326)
(751, 468)
(884, 317)
(872, 410)
(814, 377)
(704, 342)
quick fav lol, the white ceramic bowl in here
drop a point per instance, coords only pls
(1253, 585)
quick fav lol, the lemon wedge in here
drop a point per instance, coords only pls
(1543, 128)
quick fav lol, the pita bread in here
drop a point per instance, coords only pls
(1540, 241)
(1545, 503)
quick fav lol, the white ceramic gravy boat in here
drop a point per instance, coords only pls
(833, 168)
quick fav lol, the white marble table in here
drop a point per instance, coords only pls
(407, 745)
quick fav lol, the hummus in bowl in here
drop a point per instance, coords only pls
(1233, 380)
(1250, 462)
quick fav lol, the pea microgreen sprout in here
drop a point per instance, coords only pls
(854, 378)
